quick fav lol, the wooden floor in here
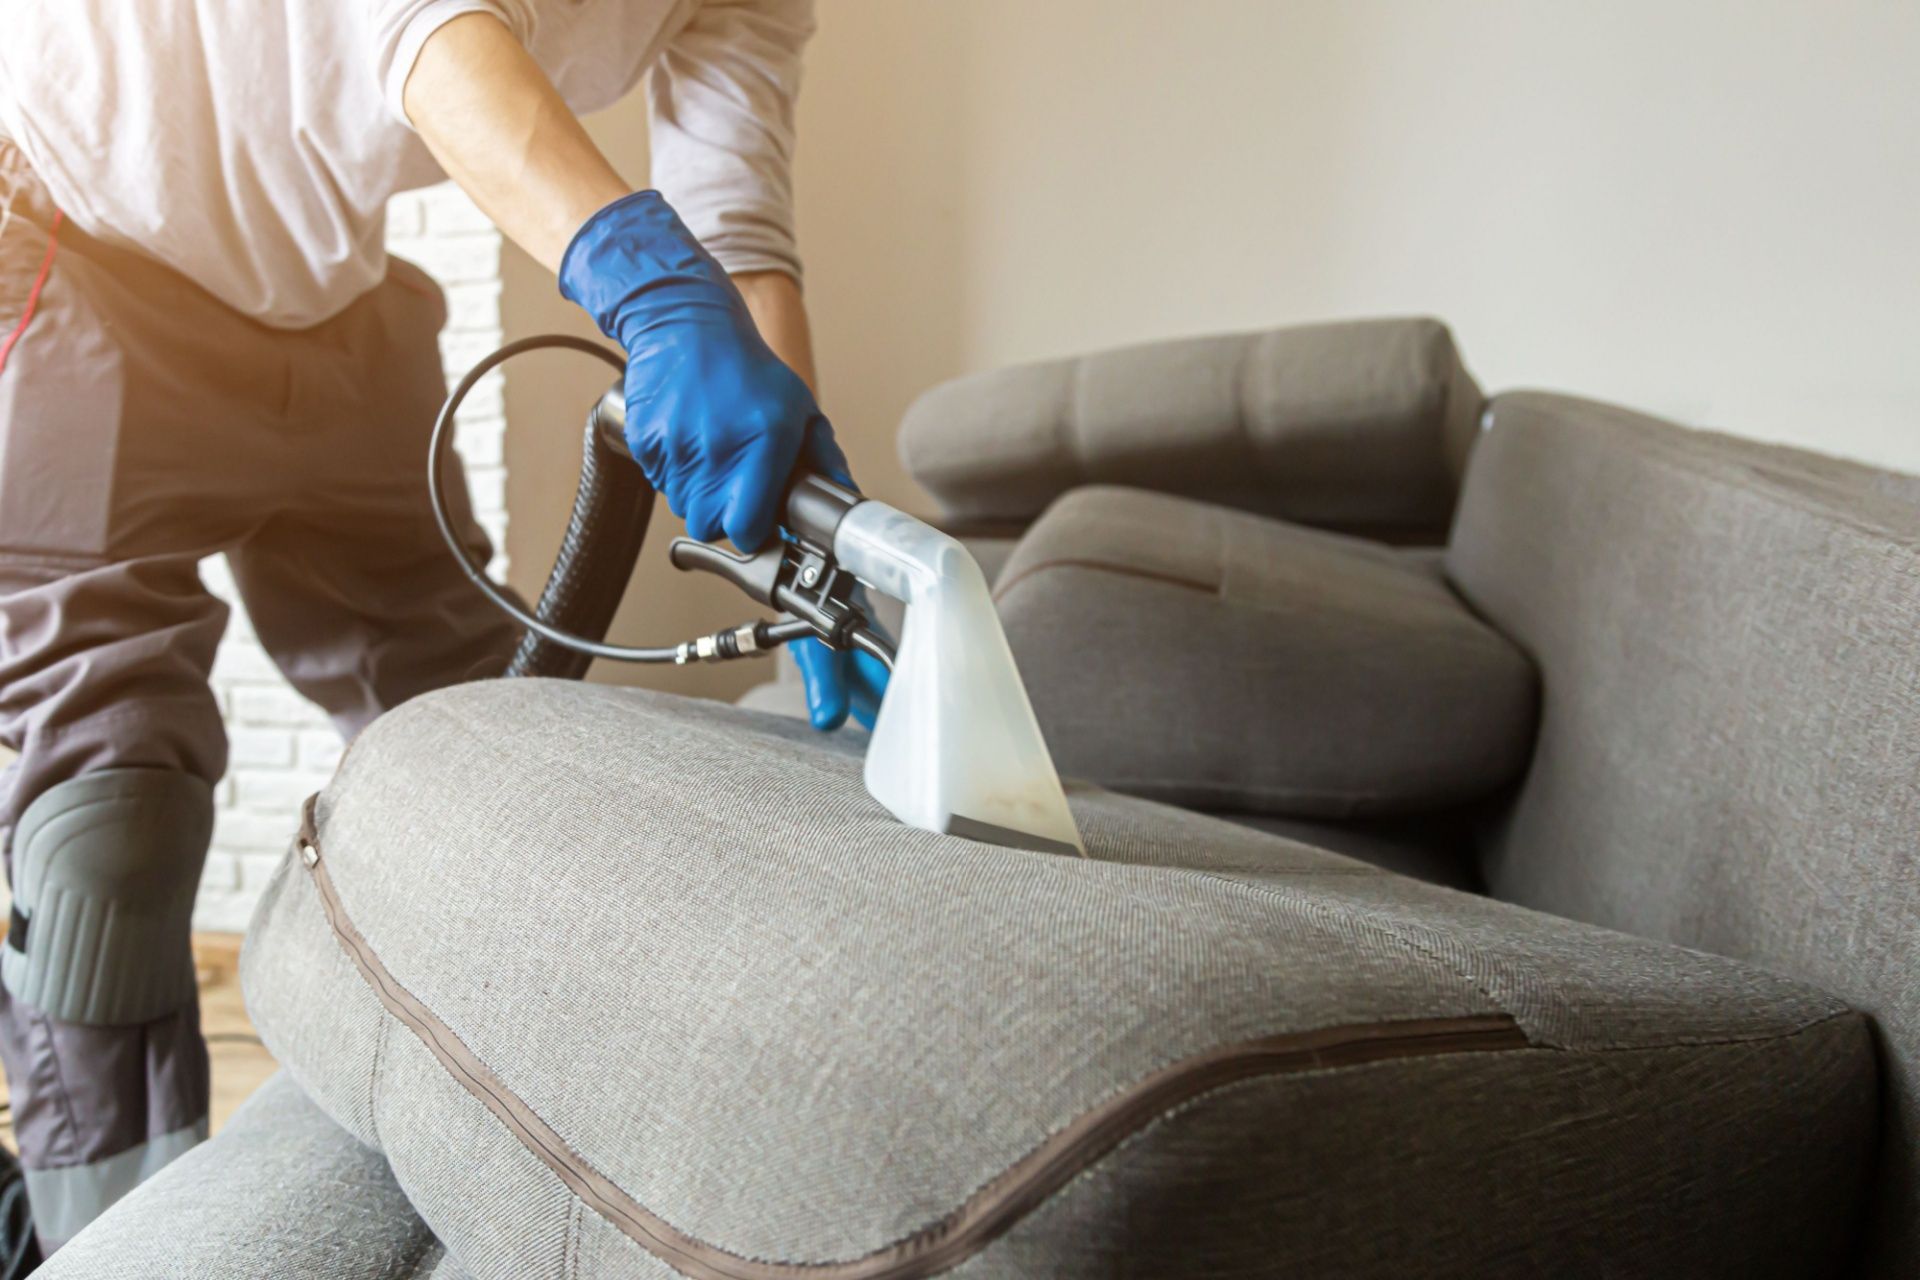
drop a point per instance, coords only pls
(240, 1064)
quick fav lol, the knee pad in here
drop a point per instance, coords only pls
(105, 868)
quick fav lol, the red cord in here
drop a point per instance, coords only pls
(33, 295)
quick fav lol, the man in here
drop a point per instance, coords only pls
(204, 348)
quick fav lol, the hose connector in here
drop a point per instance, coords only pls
(744, 641)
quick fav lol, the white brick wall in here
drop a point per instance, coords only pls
(281, 748)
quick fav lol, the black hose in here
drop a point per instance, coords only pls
(605, 531)
(438, 454)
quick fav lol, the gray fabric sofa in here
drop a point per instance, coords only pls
(1660, 693)
(1726, 635)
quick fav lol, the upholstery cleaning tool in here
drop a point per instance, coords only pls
(955, 748)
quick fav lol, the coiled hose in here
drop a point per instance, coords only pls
(605, 532)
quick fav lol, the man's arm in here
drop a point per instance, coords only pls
(720, 402)
(501, 131)
(499, 128)
(781, 316)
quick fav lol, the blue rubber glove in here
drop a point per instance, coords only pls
(839, 683)
(715, 419)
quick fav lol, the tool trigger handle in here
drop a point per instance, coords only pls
(757, 575)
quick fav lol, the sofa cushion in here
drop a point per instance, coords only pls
(1430, 847)
(1219, 660)
(630, 985)
(1729, 635)
(1360, 425)
(281, 1191)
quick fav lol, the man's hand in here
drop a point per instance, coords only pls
(716, 420)
(839, 683)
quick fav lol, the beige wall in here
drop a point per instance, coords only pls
(1709, 209)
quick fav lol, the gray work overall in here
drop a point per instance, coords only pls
(143, 426)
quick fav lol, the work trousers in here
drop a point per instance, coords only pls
(143, 426)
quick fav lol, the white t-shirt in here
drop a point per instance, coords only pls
(252, 144)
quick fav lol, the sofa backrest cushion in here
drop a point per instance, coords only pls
(1729, 752)
(1361, 426)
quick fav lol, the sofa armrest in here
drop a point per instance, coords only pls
(1361, 426)
(639, 985)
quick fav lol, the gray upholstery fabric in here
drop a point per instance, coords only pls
(1362, 426)
(683, 937)
(1341, 1199)
(1729, 754)
(1221, 660)
(282, 1191)
(1434, 848)
(782, 696)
